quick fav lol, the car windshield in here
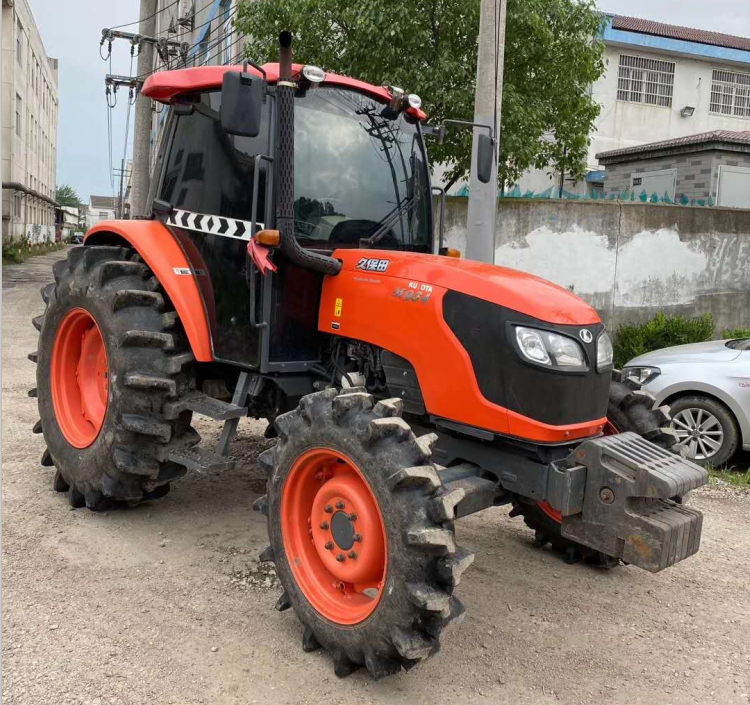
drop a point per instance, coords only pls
(739, 344)
(358, 174)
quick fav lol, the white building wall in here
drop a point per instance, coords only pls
(624, 124)
(29, 119)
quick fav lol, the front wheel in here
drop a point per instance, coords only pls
(361, 532)
(630, 408)
(706, 429)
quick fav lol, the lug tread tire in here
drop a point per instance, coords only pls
(150, 364)
(424, 565)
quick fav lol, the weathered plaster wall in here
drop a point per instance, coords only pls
(628, 260)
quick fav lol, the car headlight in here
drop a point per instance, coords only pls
(550, 349)
(604, 352)
(642, 375)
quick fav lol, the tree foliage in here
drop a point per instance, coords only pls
(66, 195)
(429, 47)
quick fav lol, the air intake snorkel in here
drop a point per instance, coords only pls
(285, 89)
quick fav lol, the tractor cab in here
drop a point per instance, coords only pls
(361, 179)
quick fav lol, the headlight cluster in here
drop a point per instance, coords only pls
(556, 351)
(642, 375)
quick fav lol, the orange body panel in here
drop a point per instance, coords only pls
(414, 328)
(163, 255)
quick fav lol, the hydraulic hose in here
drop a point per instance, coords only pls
(291, 249)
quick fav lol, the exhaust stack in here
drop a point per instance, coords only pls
(285, 89)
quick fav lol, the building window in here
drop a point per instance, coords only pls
(19, 44)
(730, 94)
(204, 52)
(102, 215)
(648, 81)
(18, 114)
(227, 32)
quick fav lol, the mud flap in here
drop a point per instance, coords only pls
(615, 495)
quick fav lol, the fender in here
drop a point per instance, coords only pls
(162, 253)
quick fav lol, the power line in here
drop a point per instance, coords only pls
(144, 19)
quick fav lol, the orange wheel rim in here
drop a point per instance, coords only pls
(334, 536)
(609, 430)
(79, 378)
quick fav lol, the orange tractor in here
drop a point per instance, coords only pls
(290, 258)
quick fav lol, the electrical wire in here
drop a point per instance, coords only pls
(195, 14)
(127, 130)
(144, 19)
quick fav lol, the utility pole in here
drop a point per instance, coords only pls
(142, 135)
(480, 230)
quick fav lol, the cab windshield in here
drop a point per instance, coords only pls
(358, 176)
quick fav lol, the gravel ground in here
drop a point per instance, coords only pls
(165, 603)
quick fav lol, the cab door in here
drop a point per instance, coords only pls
(218, 187)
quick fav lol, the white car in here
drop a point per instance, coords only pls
(707, 387)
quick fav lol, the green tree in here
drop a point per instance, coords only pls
(429, 47)
(66, 195)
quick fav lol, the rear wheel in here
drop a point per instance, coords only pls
(111, 356)
(361, 532)
(630, 408)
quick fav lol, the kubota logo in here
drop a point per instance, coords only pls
(585, 334)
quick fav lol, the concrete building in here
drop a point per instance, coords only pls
(68, 219)
(29, 127)
(100, 208)
(711, 168)
(207, 27)
(661, 82)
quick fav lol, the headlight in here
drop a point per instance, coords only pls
(604, 352)
(550, 349)
(642, 375)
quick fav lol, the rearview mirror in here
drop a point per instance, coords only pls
(485, 155)
(241, 103)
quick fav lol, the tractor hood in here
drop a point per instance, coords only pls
(506, 287)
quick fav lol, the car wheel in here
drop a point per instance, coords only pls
(706, 428)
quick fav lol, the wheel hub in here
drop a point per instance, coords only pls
(699, 431)
(342, 529)
(79, 378)
(334, 536)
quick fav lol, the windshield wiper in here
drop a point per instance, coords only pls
(385, 226)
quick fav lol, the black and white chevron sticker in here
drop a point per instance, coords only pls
(212, 224)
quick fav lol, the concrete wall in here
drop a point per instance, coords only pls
(628, 260)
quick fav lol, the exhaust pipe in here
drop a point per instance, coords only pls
(285, 89)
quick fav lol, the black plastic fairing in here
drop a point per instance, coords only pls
(505, 377)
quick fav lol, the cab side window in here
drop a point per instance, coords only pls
(209, 171)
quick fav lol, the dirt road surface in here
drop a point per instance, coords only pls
(165, 603)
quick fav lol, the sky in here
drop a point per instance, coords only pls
(71, 32)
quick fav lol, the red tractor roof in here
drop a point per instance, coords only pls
(165, 85)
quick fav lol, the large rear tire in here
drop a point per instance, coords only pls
(111, 356)
(361, 532)
(630, 408)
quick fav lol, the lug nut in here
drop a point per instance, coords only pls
(606, 495)
(357, 537)
(329, 545)
(352, 517)
(339, 505)
(328, 509)
(340, 558)
(324, 525)
(352, 554)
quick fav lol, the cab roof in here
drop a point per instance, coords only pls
(164, 86)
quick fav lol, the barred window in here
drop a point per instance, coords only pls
(730, 94)
(647, 81)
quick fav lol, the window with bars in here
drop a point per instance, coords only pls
(649, 81)
(730, 94)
